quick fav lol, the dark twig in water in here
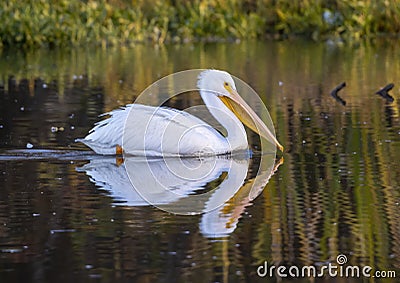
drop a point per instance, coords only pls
(334, 93)
(384, 92)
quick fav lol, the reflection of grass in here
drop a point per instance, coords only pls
(336, 193)
(56, 23)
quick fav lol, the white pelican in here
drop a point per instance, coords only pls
(138, 129)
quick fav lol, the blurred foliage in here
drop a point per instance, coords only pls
(30, 23)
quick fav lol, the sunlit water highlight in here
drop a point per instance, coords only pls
(337, 191)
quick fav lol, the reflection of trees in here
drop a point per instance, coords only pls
(337, 192)
(340, 191)
(35, 112)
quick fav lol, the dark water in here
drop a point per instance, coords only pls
(65, 215)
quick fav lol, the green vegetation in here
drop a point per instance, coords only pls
(29, 23)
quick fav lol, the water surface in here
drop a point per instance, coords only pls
(337, 191)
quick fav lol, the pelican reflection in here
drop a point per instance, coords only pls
(216, 187)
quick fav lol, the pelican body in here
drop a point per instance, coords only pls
(138, 129)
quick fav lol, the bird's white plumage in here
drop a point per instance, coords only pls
(161, 131)
(107, 134)
(147, 130)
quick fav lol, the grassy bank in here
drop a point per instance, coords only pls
(33, 23)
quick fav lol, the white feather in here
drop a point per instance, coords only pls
(156, 131)
(160, 131)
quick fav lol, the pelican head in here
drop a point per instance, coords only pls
(221, 84)
(216, 82)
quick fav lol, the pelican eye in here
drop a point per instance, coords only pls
(226, 84)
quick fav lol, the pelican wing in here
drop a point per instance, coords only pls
(107, 134)
(151, 130)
